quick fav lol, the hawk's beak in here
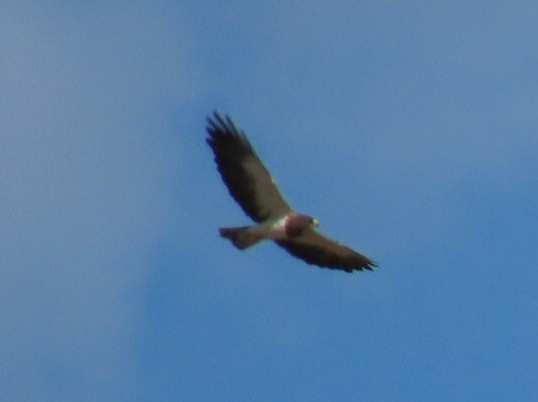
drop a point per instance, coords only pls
(315, 222)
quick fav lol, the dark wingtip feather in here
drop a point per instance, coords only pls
(370, 265)
(213, 122)
(221, 124)
(221, 129)
(221, 121)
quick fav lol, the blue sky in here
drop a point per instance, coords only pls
(408, 129)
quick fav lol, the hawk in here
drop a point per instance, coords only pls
(252, 186)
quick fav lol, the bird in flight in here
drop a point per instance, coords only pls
(252, 186)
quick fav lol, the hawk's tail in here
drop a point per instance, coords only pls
(241, 237)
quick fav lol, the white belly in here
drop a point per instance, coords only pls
(275, 231)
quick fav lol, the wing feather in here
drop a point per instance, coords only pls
(319, 250)
(247, 179)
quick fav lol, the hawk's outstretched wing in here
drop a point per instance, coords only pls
(248, 181)
(317, 249)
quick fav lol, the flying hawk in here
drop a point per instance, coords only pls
(251, 185)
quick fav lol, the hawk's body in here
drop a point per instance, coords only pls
(251, 185)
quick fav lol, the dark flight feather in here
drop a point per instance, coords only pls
(319, 250)
(247, 179)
